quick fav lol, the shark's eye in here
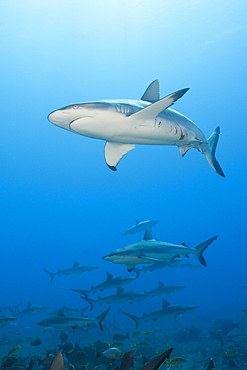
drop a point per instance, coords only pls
(75, 107)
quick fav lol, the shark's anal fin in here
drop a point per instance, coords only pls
(114, 152)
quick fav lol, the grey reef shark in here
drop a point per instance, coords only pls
(150, 250)
(122, 123)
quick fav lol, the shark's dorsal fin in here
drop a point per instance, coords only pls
(114, 152)
(108, 276)
(75, 264)
(152, 93)
(29, 304)
(148, 235)
(120, 289)
(165, 303)
(184, 244)
(137, 222)
(77, 347)
(160, 284)
(153, 110)
(60, 312)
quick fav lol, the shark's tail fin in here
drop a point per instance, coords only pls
(52, 274)
(90, 301)
(200, 248)
(12, 311)
(210, 153)
(137, 271)
(101, 317)
(218, 337)
(83, 292)
(133, 317)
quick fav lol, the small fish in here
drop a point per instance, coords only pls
(13, 350)
(8, 361)
(140, 345)
(230, 353)
(118, 336)
(14, 332)
(147, 333)
(36, 341)
(176, 361)
(112, 353)
(135, 333)
(116, 344)
(157, 328)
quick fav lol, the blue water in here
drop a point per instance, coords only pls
(59, 200)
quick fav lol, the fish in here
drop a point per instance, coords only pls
(57, 363)
(210, 365)
(110, 283)
(149, 251)
(121, 296)
(75, 269)
(36, 341)
(8, 361)
(176, 361)
(60, 321)
(67, 347)
(13, 350)
(165, 289)
(167, 311)
(68, 311)
(30, 310)
(140, 226)
(116, 344)
(127, 360)
(112, 353)
(63, 337)
(135, 333)
(155, 364)
(147, 333)
(123, 123)
(158, 266)
(120, 337)
(6, 320)
(140, 344)
(230, 353)
(189, 265)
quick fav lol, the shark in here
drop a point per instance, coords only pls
(121, 296)
(30, 310)
(150, 250)
(75, 269)
(158, 266)
(140, 226)
(165, 289)
(110, 283)
(123, 123)
(60, 321)
(6, 320)
(167, 311)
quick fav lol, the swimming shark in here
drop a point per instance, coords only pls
(149, 250)
(121, 296)
(110, 283)
(158, 266)
(60, 321)
(167, 311)
(30, 310)
(165, 289)
(75, 269)
(6, 320)
(122, 123)
(140, 226)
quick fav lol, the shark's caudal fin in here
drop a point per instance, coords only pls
(52, 274)
(90, 301)
(157, 362)
(133, 317)
(101, 317)
(200, 248)
(12, 311)
(210, 154)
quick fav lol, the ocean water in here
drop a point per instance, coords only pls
(59, 200)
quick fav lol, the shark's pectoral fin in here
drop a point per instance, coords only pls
(130, 267)
(153, 110)
(114, 152)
